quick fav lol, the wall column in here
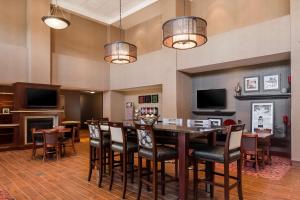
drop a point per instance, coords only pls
(295, 71)
(38, 42)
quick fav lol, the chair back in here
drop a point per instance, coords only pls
(249, 143)
(37, 137)
(51, 137)
(117, 133)
(234, 138)
(94, 131)
(172, 121)
(145, 135)
(104, 124)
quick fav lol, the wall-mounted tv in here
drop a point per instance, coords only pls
(211, 99)
(41, 98)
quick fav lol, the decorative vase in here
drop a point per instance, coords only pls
(238, 89)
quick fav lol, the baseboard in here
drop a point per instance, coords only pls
(295, 163)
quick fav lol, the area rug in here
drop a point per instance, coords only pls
(280, 166)
(4, 195)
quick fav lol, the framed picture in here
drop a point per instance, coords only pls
(154, 98)
(141, 99)
(147, 99)
(262, 116)
(216, 122)
(251, 84)
(271, 82)
(5, 110)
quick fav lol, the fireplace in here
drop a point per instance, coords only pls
(38, 122)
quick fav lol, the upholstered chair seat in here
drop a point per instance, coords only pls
(216, 154)
(131, 147)
(163, 153)
(96, 142)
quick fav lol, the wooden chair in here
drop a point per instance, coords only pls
(68, 140)
(126, 149)
(98, 145)
(37, 141)
(225, 155)
(251, 152)
(149, 150)
(266, 144)
(104, 147)
(51, 143)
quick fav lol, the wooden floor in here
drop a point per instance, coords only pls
(67, 179)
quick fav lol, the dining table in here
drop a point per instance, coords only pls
(184, 133)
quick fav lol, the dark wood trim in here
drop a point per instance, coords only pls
(263, 96)
(214, 113)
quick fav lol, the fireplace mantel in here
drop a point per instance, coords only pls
(37, 111)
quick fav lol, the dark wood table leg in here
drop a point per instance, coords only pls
(183, 165)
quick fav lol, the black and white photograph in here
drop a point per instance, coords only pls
(262, 116)
(271, 82)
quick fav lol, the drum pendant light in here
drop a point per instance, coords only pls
(120, 52)
(184, 32)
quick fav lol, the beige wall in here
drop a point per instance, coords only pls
(295, 63)
(184, 92)
(13, 22)
(226, 15)
(13, 52)
(77, 55)
(155, 68)
(146, 36)
(240, 47)
(38, 42)
(84, 39)
(113, 106)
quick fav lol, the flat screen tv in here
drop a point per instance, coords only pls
(41, 98)
(211, 99)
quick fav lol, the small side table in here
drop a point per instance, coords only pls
(72, 124)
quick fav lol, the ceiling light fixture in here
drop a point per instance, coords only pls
(184, 32)
(120, 52)
(56, 18)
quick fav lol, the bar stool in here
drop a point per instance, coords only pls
(98, 143)
(225, 155)
(149, 150)
(119, 143)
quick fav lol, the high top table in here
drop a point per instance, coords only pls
(184, 134)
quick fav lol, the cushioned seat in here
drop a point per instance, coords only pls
(215, 154)
(95, 142)
(163, 153)
(131, 147)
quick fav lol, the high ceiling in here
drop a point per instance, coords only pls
(106, 11)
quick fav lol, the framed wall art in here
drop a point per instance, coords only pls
(271, 82)
(147, 99)
(154, 98)
(262, 116)
(141, 99)
(251, 84)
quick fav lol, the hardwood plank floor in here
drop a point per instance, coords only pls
(67, 179)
